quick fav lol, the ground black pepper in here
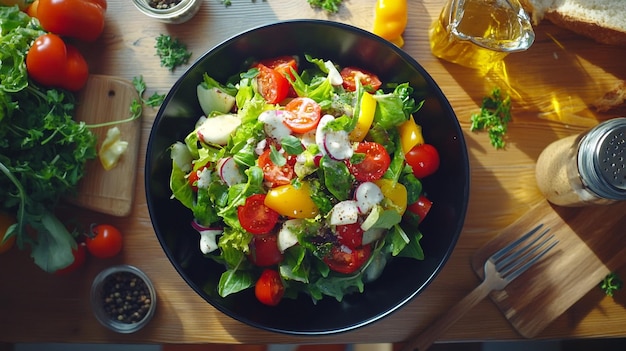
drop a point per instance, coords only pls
(163, 4)
(126, 297)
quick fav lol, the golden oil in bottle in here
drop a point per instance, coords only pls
(479, 33)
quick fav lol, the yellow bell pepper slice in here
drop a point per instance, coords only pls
(291, 201)
(410, 135)
(366, 117)
(395, 195)
(390, 19)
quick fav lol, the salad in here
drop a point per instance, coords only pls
(304, 177)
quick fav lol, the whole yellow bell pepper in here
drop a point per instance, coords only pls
(390, 19)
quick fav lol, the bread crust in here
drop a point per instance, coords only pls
(589, 29)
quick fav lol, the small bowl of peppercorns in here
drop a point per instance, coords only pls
(169, 11)
(123, 298)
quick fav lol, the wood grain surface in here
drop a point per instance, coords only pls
(553, 85)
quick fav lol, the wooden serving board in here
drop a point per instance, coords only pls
(107, 98)
(587, 251)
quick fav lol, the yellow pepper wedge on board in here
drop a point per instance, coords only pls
(366, 117)
(390, 19)
(410, 135)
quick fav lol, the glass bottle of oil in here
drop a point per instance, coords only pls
(479, 33)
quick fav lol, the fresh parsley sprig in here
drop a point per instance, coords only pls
(611, 283)
(171, 51)
(494, 116)
(330, 6)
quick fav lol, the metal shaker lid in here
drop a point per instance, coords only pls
(602, 159)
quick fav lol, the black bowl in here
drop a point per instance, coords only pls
(402, 279)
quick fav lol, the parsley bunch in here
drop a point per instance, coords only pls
(611, 283)
(494, 116)
(330, 6)
(171, 51)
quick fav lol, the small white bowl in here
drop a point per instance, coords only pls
(181, 12)
(128, 290)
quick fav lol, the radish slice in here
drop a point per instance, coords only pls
(286, 235)
(214, 100)
(208, 242)
(320, 133)
(274, 126)
(337, 145)
(367, 195)
(229, 171)
(333, 74)
(345, 212)
(217, 130)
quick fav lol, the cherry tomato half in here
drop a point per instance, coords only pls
(80, 256)
(374, 165)
(255, 217)
(306, 114)
(264, 250)
(282, 64)
(421, 207)
(273, 86)
(276, 175)
(350, 235)
(368, 79)
(424, 159)
(345, 260)
(269, 289)
(104, 241)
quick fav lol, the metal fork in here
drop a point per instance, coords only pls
(500, 269)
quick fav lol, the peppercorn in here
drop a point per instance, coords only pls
(126, 297)
(163, 4)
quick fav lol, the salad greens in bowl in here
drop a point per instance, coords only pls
(307, 177)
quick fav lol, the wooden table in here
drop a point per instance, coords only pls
(38, 307)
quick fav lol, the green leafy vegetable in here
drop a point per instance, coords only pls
(171, 51)
(494, 116)
(611, 283)
(330, 6)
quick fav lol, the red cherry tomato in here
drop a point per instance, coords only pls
(51, 62)
(264, 250)
(368, 79)
(80, 19)
(374, 165)
(273, 86)
(283, 65)
(306, 114)
(421, 207)
(350, 235)
(269, 289)
(104, 241)
(424, 159)
(276, 175)
(255, 217)
(345, 260)
(80, 256)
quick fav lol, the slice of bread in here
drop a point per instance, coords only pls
(601, 20)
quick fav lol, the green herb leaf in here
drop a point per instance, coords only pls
(171, 51)
(494, 116)
(611, 283)
(330, 6)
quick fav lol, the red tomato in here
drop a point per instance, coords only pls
(273, 86)
(80, 256)
(104, 241)
(255, 217)
(306, 114)
(264, 250)
(80, 19)
(421, 207)
(269, 289)
(368, 80)
(276, 175)
(51, 62)
(283, 65)
(350, 235)
(424, 159)
(345, 260)
(374, 165)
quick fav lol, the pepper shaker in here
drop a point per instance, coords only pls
(585, 169)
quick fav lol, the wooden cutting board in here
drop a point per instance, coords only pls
(592, 243)
(103, 99)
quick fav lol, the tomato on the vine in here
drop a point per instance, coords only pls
(273, 86)
(269, 289)
(374, 164)
(345, 260)
(421, 207)
(306, 114)
(368, 80)
(424, 159)
(104, 241)
(255, 217)
(264, 250)
(80, 256)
